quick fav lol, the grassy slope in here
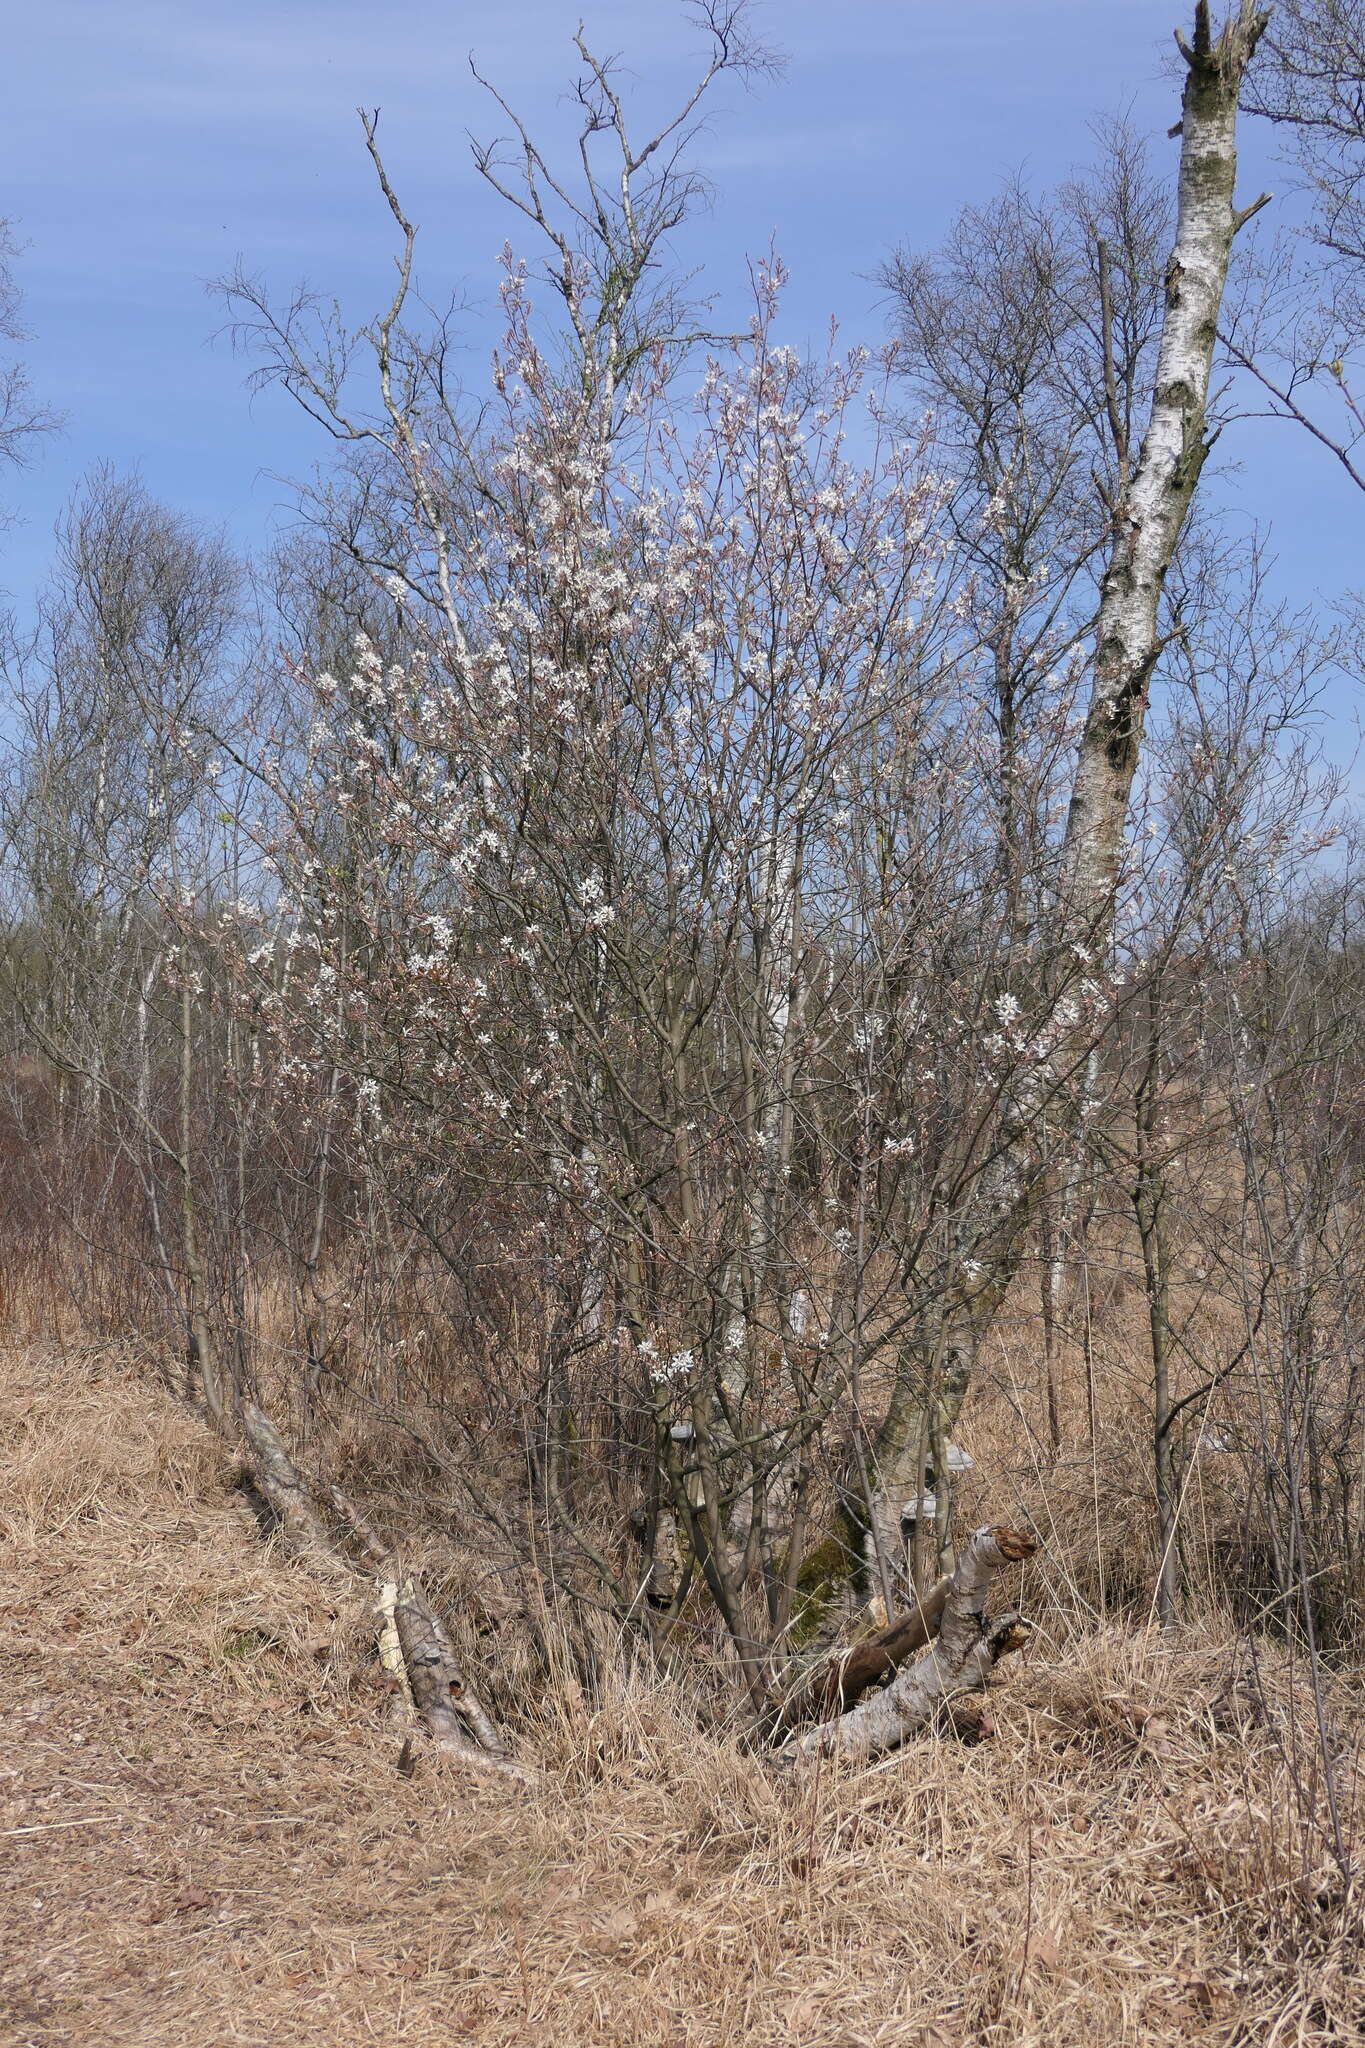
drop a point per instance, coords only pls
(206, 1839)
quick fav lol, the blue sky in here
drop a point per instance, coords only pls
(147, 145)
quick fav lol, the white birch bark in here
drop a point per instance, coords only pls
(777, 971)
(1148, 525)
(391, 1649)
(1152, 514)
(961, 1660)
(415, 1648)
(457, 1721)
(301, 1529)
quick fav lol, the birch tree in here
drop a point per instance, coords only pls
(667, 947)
(1149, 516)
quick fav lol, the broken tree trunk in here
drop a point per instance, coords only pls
(302, 1530)
(402, 1706)
(456, 1718)
(839, 1681)
(966, 1652)
(415, 1648)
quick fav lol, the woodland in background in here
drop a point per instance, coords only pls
(716, 930)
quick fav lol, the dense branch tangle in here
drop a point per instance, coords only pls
(640, 962)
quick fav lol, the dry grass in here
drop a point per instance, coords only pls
(209, 1841)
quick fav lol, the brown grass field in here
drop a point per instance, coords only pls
(207, 1839)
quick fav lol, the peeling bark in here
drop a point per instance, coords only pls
(967, 1651)
(1152, 514)
(1148, 523)
(402, 1706)
(457, 1720)
(840, 1681)
(302, 1530)
(415, 1649)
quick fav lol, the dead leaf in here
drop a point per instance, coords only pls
(618, 1926)
(1046, 1951)
(1206, 1992)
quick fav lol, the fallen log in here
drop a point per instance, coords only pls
(457, 1720)
(415, 1648)
(840, 1680)
(966, 1652)
(302, 1530)
(402, 1706)
(413, 1644)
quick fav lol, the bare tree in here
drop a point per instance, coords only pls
(105, 779)
(1030, 335)
(607, 223)
(22, 417)
(1295, 328)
